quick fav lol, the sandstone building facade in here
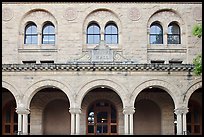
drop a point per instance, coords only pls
(100, 68)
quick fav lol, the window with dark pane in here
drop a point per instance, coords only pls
(111, 34)
(173, 36)
(48, 34)
(31, 36)
(93, 34)
(156, 33)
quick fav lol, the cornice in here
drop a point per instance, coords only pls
(130, 67)
(103, 2)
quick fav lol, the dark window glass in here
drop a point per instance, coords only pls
(102, 117)
(113, 115)
(111, 34)
(90, 128)
(156, 34)
(93, 34)
(8, 115)
(113, 129)
(175, 62)
(173, 34)
(47, 62)
(48, 35)
(157, 61)
(31, 36)
(7, 129)
(102, 129)
(197, 128)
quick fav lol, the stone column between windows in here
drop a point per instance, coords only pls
(165, 38)
(39, 38)
(22, 120)
(75, 120)
(181, 120)
(128, 112)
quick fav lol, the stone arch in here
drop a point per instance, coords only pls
(190, 90)
(13, 91)
(169, 88)
(38, 16)
(169, 11)
(116, 87)
(101, 16)
(33, 89)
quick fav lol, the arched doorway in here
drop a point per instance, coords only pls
(102, 118)
(102, 112)
(9, 115)
(194, 116)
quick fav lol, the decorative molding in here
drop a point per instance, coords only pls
(102, 14)
(88, 66)
(7, 14)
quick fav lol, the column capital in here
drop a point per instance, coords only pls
(128, 110)
(22, 110)
(181, 110)
(75, 110)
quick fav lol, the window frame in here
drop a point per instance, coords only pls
(30, 35)
(174, 34)
(111, 34)
(93, 24)
(48, 24)
(155, 34)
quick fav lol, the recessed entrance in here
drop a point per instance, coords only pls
(102, 118)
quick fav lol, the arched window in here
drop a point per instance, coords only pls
(111, 33)
(156, 33)
(174, 34)
(93, 34)
(48, 34)
(31, 36)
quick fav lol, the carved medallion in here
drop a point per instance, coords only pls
(197, 13)
(7, 14)
(70, 14)
(134, 14)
